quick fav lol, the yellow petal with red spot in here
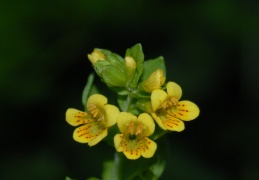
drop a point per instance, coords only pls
(75, 117)
(173, 124)
(128, 147)
(148, 148)
(111, 113)
(98, 100)
(87, 132)
(131, 148)
(98, 138)
(159, 121)
(158, 96)
(132, 153)
(186, 110)
(174, 90)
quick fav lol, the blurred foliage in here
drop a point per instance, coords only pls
(211, 48)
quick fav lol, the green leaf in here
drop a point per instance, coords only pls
(158, 168)
(89, 89)
(137, 54)
(152, 65)
(122, 100)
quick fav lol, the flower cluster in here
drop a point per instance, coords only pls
(145, 102)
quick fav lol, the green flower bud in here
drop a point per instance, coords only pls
(110, 67)
(114, 76)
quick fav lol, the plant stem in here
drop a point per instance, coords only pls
(127, 105)
(116, 167)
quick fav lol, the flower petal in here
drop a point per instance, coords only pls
(88, 132)
(111, 113)
(158, 121)
(173, 124)
(75, 117)
(158, 96)
(149, 148)
(131, 153)
(96, 99)
(123, 120)
(147, 122)
(98, 138)
(117, 142)
(174, 90)
(186, 110)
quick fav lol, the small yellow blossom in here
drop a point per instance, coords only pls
(168, 111)
(133, 141)
(154, 81)
(95, 56)
(130, 65)
(130, 62)
(95, 122)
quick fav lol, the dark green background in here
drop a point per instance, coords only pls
(210, 48)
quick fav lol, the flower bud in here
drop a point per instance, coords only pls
(130, 66)
(96, 56)
(154, 81)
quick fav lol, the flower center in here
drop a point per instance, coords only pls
(134, 129)
(95, 112)
(169, 103)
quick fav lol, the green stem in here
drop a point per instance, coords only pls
(127, 105)
(117, 175)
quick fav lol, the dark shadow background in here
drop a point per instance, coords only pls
(210, 48)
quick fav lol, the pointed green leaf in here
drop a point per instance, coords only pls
(89, 89)
(152, 65)
(136, 53)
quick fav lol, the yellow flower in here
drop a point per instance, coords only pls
(133, 141)
(168, 111)
(154, 81)
(95, 56)
(95, 122)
